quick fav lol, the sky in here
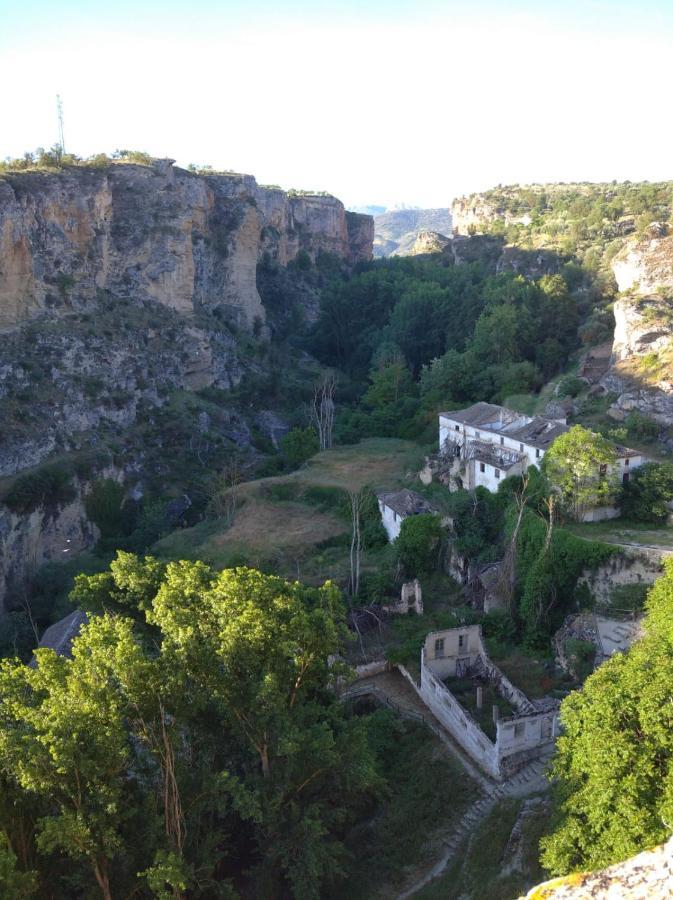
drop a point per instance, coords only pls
(386, 103)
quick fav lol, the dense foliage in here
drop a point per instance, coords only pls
(648, 492)
(415, 335)
(613, 768)
(192, 734)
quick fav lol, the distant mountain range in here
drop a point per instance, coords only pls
(397, 230)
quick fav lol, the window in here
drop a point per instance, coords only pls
(462, 641)
(519, 729)
(394, 516)
(520, 448)
(497, 472)
(502, 440)
(625, 478)
(439, 647)
(603, 470)
(457, 427)
(537, 454)
(482, 467)
(477, 435)
(626, 461)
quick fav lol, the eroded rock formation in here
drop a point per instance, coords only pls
(159, 233)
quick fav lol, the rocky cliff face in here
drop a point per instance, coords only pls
(641, 370)
(45, 535)
(644, 265)
(470, 215)
(189, 242)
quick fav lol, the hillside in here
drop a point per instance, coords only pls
(621, 233)
(138, 305)
(396, 231)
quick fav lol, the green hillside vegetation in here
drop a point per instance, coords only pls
(613, 767)
(586, 220)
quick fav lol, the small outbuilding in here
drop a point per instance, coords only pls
(396, 506)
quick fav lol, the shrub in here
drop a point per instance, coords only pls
(299, 444)
(418, 545)
(48, 487)
(646, 496)
(570, 386)
(581, 656)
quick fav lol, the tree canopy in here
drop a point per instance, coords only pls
(613, 769)
(195, 721)
(579, 466)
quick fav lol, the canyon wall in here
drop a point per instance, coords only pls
(184, 240)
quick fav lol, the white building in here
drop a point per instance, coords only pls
(493, 442)
(396, 506)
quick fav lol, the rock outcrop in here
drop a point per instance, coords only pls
(190, 242)
(398, 230)
(645, 265)
(647, 876)
(641, 370)
(45, 535)
(472, 213)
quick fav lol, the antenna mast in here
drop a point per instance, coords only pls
(59, 110)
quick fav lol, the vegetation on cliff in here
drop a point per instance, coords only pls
(613, 769)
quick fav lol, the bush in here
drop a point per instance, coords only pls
(47, 487)
(646, 496)
(581, 656)
(640, 426)
(105, 506)
(418, 545)
(570, 386)
(299, 445)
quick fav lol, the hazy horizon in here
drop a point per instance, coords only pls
(378, 103)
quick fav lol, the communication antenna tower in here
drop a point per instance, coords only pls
(59, 110)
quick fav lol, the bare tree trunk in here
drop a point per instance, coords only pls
(356, 542)
(508, 573)
(322, 410)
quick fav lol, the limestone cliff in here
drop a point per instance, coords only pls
(190, 242)
(644, 265)
(642, 352)
(641, 370)
(472, 213)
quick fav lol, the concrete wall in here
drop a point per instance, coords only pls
(457, 721)
(518, 738)
(441, 660)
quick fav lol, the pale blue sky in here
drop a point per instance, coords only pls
(378, 102)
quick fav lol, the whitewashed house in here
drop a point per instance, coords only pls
(491, 442)
(396, 506)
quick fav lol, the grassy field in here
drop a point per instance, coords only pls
(298, 524)
(488, 866)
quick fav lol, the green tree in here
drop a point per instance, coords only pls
(613, 769)
(63, 739)
(14, 884)
(580, 467)
(648, 492)
(418, 545)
